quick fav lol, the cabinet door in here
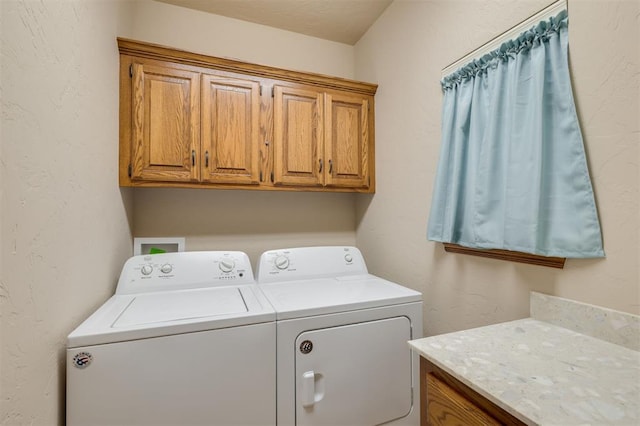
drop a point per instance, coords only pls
(346, 123)
(165, 123)
(230, 130)
(297, 141)
(445, 406)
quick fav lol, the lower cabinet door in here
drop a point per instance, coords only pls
(445, 406)
(358, 374)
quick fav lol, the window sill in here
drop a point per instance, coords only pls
(513, 256)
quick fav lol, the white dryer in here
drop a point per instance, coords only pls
(342, 352)
(187, 339)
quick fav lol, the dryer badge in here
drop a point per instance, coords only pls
(306, 346)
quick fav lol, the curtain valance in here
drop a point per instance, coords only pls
(508, 50)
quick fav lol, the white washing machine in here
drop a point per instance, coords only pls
(342, 352)
(188, 339)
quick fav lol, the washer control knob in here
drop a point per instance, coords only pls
(166, 268)
(227, 265)
(281, 262)
(348, 258)
(146, 269)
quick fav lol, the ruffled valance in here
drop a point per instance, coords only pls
(508, 50)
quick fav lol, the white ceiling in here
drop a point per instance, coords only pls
(344, 21)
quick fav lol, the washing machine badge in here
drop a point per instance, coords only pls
(306, 346)
(82, 359)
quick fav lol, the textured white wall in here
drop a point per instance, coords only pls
(217, 35)
(250, 221)
(64, 226)
(64, 223)
(404, 52)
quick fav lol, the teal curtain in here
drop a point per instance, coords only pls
(512, 172)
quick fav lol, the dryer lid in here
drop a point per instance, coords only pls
(296, 299)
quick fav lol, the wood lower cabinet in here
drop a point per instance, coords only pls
(190, 120)
(444, 400)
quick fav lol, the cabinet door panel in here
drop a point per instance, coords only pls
(347, 140)
(165, 128)
(230, 130)
(447, 407)
(297, 136)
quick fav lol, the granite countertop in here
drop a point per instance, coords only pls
(542, 373)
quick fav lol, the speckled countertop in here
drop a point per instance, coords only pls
(545, 374)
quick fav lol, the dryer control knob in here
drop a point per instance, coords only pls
(227, 265)
(166, 268)
(281, 262)
(348, 258)
(146, 269)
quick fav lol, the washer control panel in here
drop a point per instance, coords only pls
(184, 270)
(309, 263)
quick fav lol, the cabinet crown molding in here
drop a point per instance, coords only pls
(159, 52)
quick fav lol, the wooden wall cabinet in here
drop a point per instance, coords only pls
(298, 136)
(164, 124)
(446, 401)
(230, 129)
(190, 120)
(320, 138)
(347, 140)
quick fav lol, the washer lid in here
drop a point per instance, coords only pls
(160, 307)
(140, 316)
(296, 299)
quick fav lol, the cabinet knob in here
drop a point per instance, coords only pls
(206, 158)
(193, 157)
(330, 166)
(320, 170)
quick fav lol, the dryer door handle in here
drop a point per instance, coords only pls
(308, 389)
(312, 388)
